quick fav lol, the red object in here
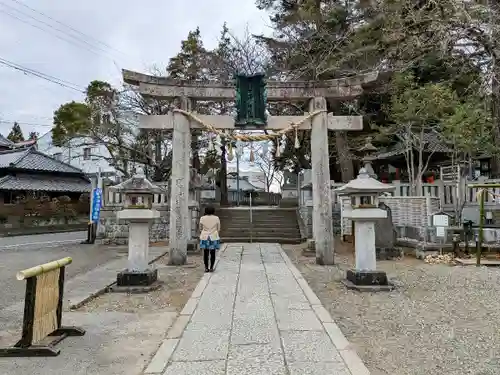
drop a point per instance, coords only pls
(397, 174)
(430, 179)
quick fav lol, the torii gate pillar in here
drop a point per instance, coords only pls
(179, 186)
(322, 197)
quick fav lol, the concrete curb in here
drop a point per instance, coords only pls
(346, 350)
(46, 244)
(161, 358)
(43, 231)
(106, 288)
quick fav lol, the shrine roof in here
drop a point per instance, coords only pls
(432, 143)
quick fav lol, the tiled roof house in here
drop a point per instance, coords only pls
(28, 170)
(5, 144)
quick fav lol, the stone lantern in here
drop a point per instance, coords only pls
(138, 212)
(368, 150)
(364, 192)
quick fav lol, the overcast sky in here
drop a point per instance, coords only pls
(118, 34)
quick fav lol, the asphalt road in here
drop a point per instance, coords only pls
(85, 258)
(42, 240)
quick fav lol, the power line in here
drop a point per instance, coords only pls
(68, 26)
(81, 42)
(33, 117)
(37, 72)
(24, 123)
(41, 75)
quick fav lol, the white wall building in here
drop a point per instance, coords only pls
(80, 153)
(255, 177)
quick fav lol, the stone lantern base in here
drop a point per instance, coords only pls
(367, 281)
(136, 282)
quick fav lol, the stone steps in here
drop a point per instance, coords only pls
(261, 218)
(259, 235)
(287, 230)
(282, 240)
(254, 222)
(268, 225)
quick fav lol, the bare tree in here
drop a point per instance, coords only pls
(264, 161)
(418, 148)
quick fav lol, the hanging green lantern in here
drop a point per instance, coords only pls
(251, 99)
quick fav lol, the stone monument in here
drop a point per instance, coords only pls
(138, 195)
(385, 236)
(364, 192)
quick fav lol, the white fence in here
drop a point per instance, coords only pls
(446, 192)
(412, 212)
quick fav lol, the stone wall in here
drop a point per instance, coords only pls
(116, 233)
(305, 215)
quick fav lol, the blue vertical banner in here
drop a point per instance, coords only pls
(96, 204)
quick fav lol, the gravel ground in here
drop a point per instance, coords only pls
(178, 285)
(439, 320)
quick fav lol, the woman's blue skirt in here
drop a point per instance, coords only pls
(210, 244)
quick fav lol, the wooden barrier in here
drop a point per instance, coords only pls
(43, 306)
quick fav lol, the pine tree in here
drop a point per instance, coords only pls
(16, 134)
(189, 65)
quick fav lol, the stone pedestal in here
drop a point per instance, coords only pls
(370, 280)
(364, 232)
(138, 245)
(135, 279)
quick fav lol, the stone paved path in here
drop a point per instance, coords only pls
(255, 315)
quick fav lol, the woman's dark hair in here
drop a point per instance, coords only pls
(209, 210)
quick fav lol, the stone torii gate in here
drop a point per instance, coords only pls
(318, 121)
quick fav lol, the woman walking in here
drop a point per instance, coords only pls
(209, 237)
